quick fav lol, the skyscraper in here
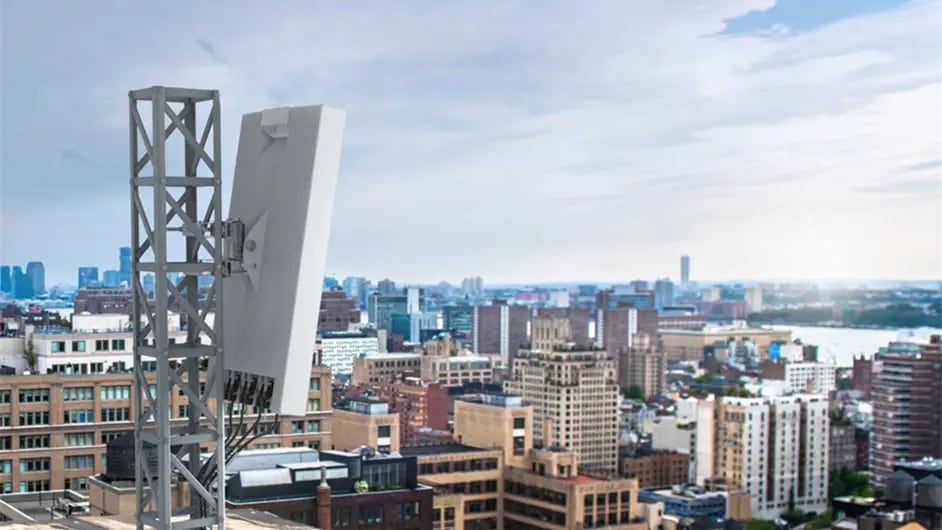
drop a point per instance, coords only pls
(22, 284)
(459, 317)
(753, 297)
(6, 285)
(663, 293)
(386, 286)
(87, 276)
(684, 270)
(907, 405)
(585, 382)
(37, 275)
(124, 265)
(500, 328)
(111, 278)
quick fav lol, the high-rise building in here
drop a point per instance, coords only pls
(615, 329)
(386, 286)
(358, 289)
(500, 328)
(810, 377)
(413, 300)
(710, 294)
(663, 293)
(753, 297)
(87, 277)
(124, 265)
(22, 284)
(148, 283)
(381, 308)
(330, 283)
(459, 317)
(6, 286)
(550, 333)
(684, 271)
(775, 449)
(37, 275)
(907, 405)
(644, 365)
(473, 287)
(111, 278)
(578, 321)
(337, 312)
(575, 402)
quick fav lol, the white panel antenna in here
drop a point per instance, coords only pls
(282, 200)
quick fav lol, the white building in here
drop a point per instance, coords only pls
(791, 352)
(339, 349)
(754, 298)
(776, 449)
(710, 294)
(812, 378)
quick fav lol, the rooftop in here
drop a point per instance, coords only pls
(427, 450)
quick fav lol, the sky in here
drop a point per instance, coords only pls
(517, 141)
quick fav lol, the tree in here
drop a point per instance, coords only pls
(821, 521)
(633, 392)
(759, 524)
(30, 355)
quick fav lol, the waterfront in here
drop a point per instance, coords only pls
(843, 344)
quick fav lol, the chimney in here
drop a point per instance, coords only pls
(323, 502)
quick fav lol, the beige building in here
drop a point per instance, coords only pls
(488, 481)
(384, 367)
(54, 428)
(365, 421)
(546, 333)
(575, 401)
(687, 345)
(644, 365)
(459, 370)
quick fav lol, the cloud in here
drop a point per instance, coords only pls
(595, 142)
(922, 166)
(71, 155)
(210, 50)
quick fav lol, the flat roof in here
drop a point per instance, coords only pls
(581, 479)
(425, 450)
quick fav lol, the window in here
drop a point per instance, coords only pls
(79, 439)
(371, 514)
(520, 423)
(297, 427)
(266, 446)
(34, 395)
(6, 443)
(108, 436)
(83, 393)
(121, 414)
(101, 345)
(79, 416)
(183, 411)
(4, 420)
(115, 393)
(340, 516)
(117, 344)
(588, 500)
(77, 484)
(27, 486)
(4, 397)
(78, 345)
(385, 476)
(35, 441)
(442, 467)
(426, 469)
(490, 486)
(407, 511)
(383, 431)
(80, 462)
(34, 418)
(315, 384)
(314, 426)
(57, 346)
(6, 487)
(460, 466)
(313, 405)
(6, 466)
(30, 465)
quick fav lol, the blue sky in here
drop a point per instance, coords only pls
(577, 141)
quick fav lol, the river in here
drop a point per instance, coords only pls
(843, 344)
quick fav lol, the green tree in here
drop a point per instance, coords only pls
(759, 524)
(633, 392)
(30, 355)
(821, 521)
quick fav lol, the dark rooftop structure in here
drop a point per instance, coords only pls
(438, 449)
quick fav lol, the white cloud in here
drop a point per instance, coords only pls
(576, 141)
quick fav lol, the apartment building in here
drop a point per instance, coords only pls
(907, 405)
(657, 469)
(775, 449)
(420, 406)
(338, 312)
(687, 345)
(54, 428)
(643, 365)
(500, 329)
(805, 377)
(575, 400)
(460, 370)
(578, 318)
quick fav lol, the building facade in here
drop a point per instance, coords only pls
(575, 400)
(338, 312)
(339, 349)
(578, 318)
(501, 329)
(658, 469)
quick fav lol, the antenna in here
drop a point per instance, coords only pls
(268, 260)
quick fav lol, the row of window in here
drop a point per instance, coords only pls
(477, 464)
(41, 417)
(59, 346)
(373, 514)
(311, 426)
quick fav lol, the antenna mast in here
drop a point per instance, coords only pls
(176, 202)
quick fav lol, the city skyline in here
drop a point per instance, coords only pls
(767, 141)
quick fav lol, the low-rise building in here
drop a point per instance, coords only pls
(657, 469)
(339, 349)
(379, 368)
(365, 422)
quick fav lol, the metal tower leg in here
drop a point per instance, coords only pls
(177, 207)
